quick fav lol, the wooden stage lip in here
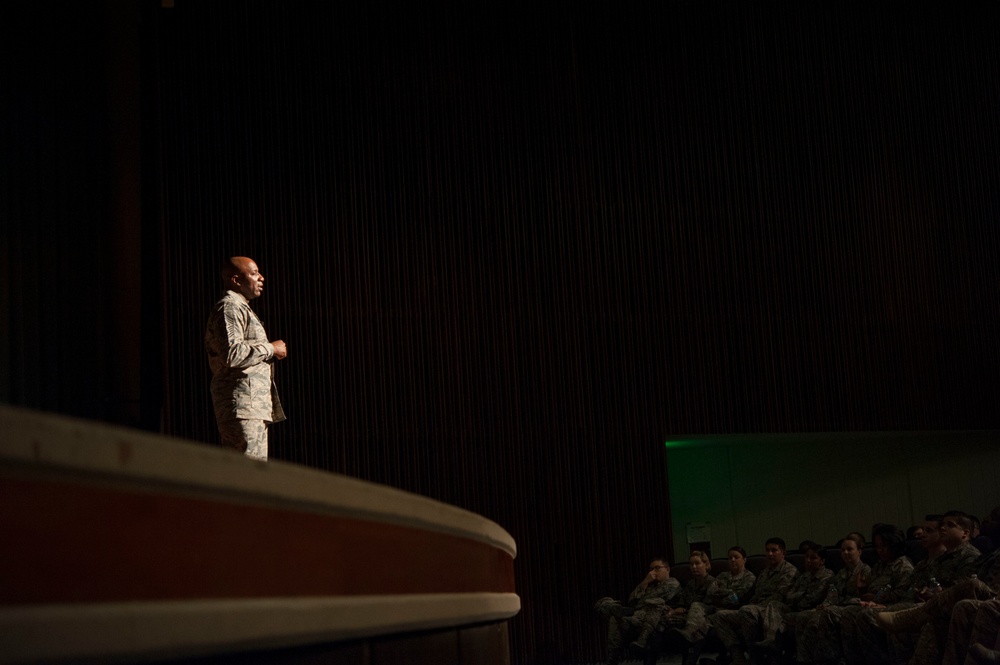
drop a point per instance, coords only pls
(126, 544)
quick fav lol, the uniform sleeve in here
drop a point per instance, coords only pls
(241, 352)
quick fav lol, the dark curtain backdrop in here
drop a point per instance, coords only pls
(513, 248)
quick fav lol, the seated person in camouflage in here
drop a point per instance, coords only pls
(729, 590)
(865, 637)
(861, 640)
(733, 626)
(641, 612)
(808, 590)
(732, 588)
(818, 638)
(926, 624)
(689, 606)
(923, 571)
(973, 633)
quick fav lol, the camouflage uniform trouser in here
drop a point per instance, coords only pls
(862, 640)
(817, 635)
(738, 628)
(938, 612)
(246, 436)
(625, 629)
(972, 621)
(774, 618)
(696, 620)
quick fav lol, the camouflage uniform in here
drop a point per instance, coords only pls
(692, 622)
(807, 591)
(948, 568)
(243, 391)
(695, 591)
(817, 637)
(862, 640)
(737, 628)
(937, 611)
(726, 585)
(719, 594)
(972, 621)
(648, 604)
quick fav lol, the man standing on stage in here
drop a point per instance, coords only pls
(241, 359)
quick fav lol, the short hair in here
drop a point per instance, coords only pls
(855, 538)
(737, 548)
(701, 555)
(961, 519)
(228, 269)
(662, 559)
(774, 540)
(811, 546)
(893, 538)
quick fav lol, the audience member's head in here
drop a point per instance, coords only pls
(850, 549)
(737, 559)
(889, 541)
(932, 533)
(915, 532)
(660, 568)
(815, 555)
(774, 551)
(700, 562)
(956, 529)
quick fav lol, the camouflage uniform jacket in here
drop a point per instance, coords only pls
(655, 593)
(890, 581)
(921, 575)
(726, 585)
(773, 583)
(808, 590)
(696, 590)
(847, 584)
(240, 357)
(988, 569)
(955, 565)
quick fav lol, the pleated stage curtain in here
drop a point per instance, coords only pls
(513, 247)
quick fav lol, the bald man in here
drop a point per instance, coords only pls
(242, 359)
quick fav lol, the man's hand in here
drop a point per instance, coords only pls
(279, 349)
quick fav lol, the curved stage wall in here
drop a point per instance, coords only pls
(123, 545)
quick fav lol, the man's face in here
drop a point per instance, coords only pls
(932, 535)
(814, 563)
(250, 282)
(660, 570)
(775, 555)
(953, 534)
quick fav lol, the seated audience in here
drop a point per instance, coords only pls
(958, 562)
(818, 638)
(730, 590)
(891, 578)
(641, 612)
(731, 626)
(806, 592)
(687, 613)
